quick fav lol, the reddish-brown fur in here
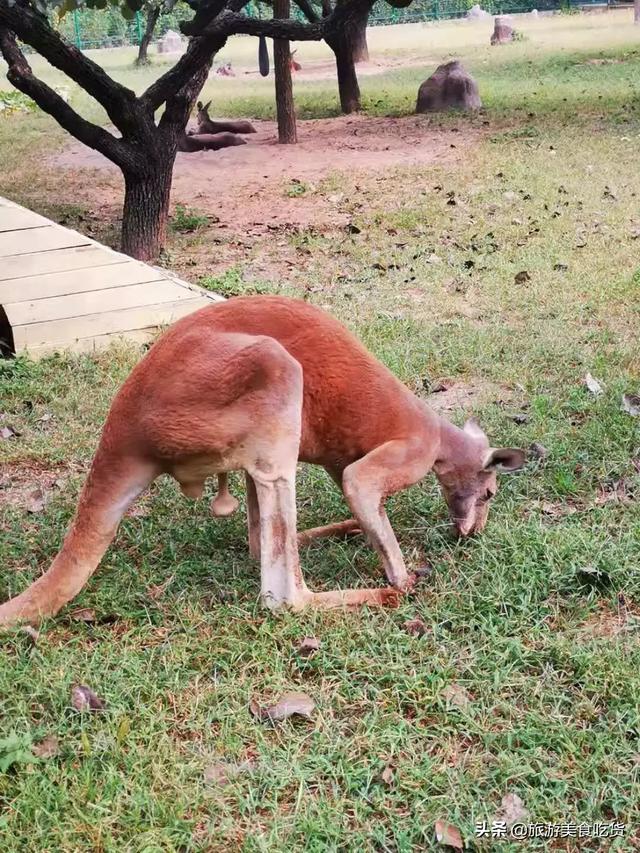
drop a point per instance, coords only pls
(259, 383)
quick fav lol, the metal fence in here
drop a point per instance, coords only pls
(99, 28)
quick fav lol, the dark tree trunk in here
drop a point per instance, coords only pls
(285, 109)
(152, 20)
(347, 77)
(146, 209)
(357, 36)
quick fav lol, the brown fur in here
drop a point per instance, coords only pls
(207, 125)
(258, 383)
(208, 141)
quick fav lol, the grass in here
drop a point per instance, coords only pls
(547, 651)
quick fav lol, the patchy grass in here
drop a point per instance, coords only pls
(538, 619)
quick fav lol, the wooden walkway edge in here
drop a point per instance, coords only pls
(61, 290)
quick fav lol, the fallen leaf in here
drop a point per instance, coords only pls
(522, 277)
(512, 810)
(45, 418)
(308, 647)
(387, 775)
(560, 267)
(520, 418)
(84, 699)
(158, 590)
(124, 728)
(631, 404)
(593, 385)
(456, 694)
(288, 705)
(353, 229)
(593, 576)
(415, 627)
(439, 386)
(223, 773)
(83, 614)
(8, 432)
(538, 451)
(30, 632)
(48, 747)
(448, 834)
(36, 501)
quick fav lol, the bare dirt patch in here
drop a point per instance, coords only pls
(20, 483)
(247, 188)
(464, 396)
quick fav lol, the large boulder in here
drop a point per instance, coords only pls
(450, 87)
(503, 32)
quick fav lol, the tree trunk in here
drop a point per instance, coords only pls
(152, 20)
(636, 11)
(285, 109)
(357, 36)
(146, 209)
(347, 77)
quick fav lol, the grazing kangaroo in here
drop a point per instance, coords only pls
(206, 125)
(208, 141)
(258, 383)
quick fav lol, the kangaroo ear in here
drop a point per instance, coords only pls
(199, 105)
(207, 105)
(504, 459)
(473, 428)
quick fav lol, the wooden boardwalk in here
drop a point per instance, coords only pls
(61, 290)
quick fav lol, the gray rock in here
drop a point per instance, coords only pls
(450, 87)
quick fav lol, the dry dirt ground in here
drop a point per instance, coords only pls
(251, 189)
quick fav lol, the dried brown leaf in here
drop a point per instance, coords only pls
(415, 627)
(631, 404)
(48, 747)
(289, 705)
(512, 810)
(456, 694)
(522, 277)
(593, 385)
(8, 432)
(387, 775)
(36, 501)
(448, 834)
(224, 772)
(84, 699)
(308, 647)
(83, 614)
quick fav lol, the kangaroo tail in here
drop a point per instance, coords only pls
(113, 483)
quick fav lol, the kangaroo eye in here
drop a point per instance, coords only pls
(487, 496)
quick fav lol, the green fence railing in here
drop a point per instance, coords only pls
(102, 28)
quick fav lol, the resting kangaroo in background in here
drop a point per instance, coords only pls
(206, 125)
(208, 141)
(258, 383)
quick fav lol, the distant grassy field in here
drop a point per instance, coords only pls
(538, 620)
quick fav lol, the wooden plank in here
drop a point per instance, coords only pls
(18, 218)
(39, 240)
(37, 287)
(77, 305)
(89, 345)
(60, 334)
(59, 260)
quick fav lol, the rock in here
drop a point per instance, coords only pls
(503, 32)
(475, 13)
(534, 13)
(171, 42)
(449, 87)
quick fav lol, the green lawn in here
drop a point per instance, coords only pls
(538, 620)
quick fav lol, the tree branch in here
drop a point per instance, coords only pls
(22, 77)
(306, 7)
(34, 29)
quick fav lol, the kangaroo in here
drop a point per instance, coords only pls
(259, 383)
(293, 64)
(208, 141)
(206, 125)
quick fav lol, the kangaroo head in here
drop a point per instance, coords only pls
(467, 471)
(203, 110)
